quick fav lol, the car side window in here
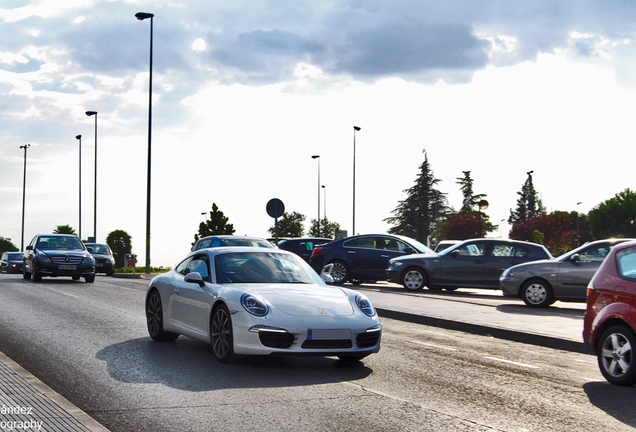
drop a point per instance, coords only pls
(363, 242)
(594, 254)
(182, 268)
(472, 249)
(626, 264)
(200, 264)
(521, 252)
(502, 250)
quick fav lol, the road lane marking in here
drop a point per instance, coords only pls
(433, 346)
(513, 362)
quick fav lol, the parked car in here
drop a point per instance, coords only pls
(104, 259)
(256, 301)
(476, 263)
(363, 257)
(609, 326)
(445, 244)
(11, 262)
(231, 240)
(302, 246)
(541, 283)
(58, 255)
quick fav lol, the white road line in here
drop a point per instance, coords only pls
(433, 346)
(514, 363)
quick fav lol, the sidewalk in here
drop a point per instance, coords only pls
(27, 404)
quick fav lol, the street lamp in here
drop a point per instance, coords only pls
(324, 199)
(94, 113)
(79, 138)
(25, 147)
(483, 205)
(318, 220)
(142, 16)
(355, 129)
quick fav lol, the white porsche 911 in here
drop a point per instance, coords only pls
(256, 301)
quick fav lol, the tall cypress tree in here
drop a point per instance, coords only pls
(419, 214)
(470, 200)
(529, 205)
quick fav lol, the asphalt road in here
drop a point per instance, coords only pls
(89, 343)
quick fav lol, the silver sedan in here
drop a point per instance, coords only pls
(541, 283)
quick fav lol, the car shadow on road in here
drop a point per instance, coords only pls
(519, 309)
(616, 401)
(189, 365)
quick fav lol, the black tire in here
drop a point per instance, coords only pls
(89, 279)
(222, 335)
(76, 277)
(25, 274)
(414, 279)
(154, 319)
(615, 355)
(537, 293)
(340, 272)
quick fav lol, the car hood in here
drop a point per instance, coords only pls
(304, 300)
(63, 252)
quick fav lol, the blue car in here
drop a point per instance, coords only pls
(363, 258)
(11, 262)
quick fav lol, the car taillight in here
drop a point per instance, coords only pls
(316, 250)
(590, 288)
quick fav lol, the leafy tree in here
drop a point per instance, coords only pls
(528, 205)
(120, 243)
(470, 200)
(555, 231)
(216, 225)
(323, 228)
(615, 217)
(419, 214)
(465, 225)
(7, 246)
(64, 229)
(289, 225)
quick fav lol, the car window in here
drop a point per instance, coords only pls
(260, 268)
(521, 251)
(472, 249)
(502, 250)
(200, 264)
(361, 242)
(597, 254)
(204, 243)
(626, 263)
(182, 268)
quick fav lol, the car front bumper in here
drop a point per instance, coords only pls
(54, 270)
(510, 286)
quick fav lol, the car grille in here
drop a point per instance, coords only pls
(321, 344)
(272, 339)
(67, 260)
(368, 339)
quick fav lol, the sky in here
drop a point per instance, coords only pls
(246, 92)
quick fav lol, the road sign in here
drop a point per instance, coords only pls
(275, 208)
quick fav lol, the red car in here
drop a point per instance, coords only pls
(609, 329)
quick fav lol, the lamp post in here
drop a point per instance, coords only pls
(25, 147)
(355, 129)
(483, 205)
(578, 239)
(142, 16)
(94, 113)
(318, 219)
(324, 199)
(79, 138)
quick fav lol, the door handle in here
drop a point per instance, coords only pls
(176, 290)
(351, 252)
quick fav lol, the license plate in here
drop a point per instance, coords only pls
(67, 267)
(328, 334)
(99, 265)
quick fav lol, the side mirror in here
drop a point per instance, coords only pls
(575, 258)
(325, 274)
(195, 277)
(455, 253)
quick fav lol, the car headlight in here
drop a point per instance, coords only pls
(395, 264)
(254, 305)
(88, 260)
(364, 304)
(44, 259)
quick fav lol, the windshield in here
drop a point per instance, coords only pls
(247, 242)
(14, 256)
(99, 249)
(266, 267)
(419, 247)
(59, 242)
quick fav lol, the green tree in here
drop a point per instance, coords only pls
(470, 199)
(216, 225)
(555, 231)
(120, 243)
(419, 214)
(64, 229)
(289, 225)
(7, 246)
(528, 204)
(615, 217)
(323, 228)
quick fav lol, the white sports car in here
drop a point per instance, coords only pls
(256, 301)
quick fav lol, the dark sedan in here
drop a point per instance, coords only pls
(11, 262)
(302, 246)
(363, 257)
(104, 259)
(476, 263)
(58, 255)
(539, 284)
